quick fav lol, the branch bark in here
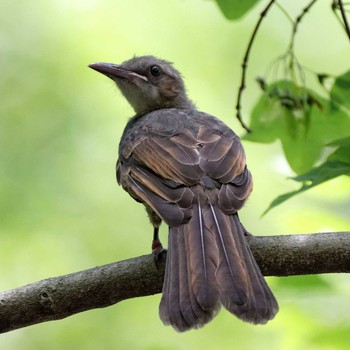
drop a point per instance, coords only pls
(60, 297)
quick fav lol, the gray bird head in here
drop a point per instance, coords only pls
(148, 83)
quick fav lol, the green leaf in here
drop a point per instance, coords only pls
(234, 9)
(338, 163)
(340, 91)
(303, 121)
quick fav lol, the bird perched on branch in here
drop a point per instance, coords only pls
(188, 168)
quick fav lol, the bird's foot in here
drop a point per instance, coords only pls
(157, 251)
(247, 234)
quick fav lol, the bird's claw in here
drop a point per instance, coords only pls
(157, 251)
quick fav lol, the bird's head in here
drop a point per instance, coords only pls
(148, 83)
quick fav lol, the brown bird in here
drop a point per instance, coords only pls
(188, 168)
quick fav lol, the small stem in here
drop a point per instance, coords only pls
(334, 9)
(245, 65)
(285, 12)
(345, 20)
(297, 22)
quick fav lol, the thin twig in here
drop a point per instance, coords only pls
(245, 65)
(345, 20)
(283, 10)
(335, 12)
(291, 65)
(297, 21)
(290, 51)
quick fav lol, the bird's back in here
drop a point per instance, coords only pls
(172, 150)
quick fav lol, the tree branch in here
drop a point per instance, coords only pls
(60, 297)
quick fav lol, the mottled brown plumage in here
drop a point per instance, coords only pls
(188, 168)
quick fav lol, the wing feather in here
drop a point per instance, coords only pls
(166, 155)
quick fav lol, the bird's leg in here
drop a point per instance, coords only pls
(157, 248)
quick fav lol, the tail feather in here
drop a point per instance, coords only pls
(265, 303)
(210, 263)
(202, 254)
(170, 310)
(190, 293)
(259, 305)
(192, 311)
(189, 306)
(231, 274)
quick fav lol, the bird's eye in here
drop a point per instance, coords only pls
(155, 71)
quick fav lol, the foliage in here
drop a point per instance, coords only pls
(235, 9)
(306, 123)
(340, 93)
(336, 164)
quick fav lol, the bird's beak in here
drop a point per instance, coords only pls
(115, 72)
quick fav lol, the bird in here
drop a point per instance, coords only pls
(189, 170)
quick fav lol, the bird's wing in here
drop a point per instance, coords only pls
(167, 154)
(222, 158)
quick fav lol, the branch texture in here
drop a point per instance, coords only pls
(60, 297)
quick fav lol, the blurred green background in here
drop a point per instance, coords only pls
(60, 207)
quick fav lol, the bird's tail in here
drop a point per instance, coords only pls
(210, 264)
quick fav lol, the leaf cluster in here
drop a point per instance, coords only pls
(314, 130)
